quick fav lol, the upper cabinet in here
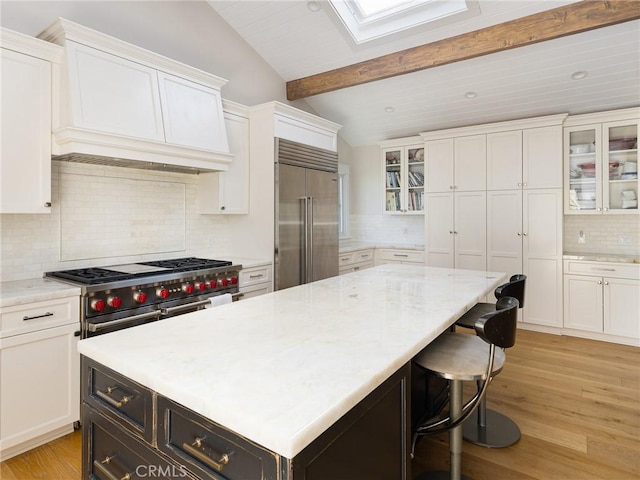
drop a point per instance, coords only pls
(228, 192)
(29, 69)
(403, 177)
(601, 163)
(456, 164)
(118, 101)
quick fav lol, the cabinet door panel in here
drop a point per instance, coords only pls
(25, 167)
(622, 307)
(470, 168)
(583, 303)
(470, 230)
(504, 231)
(504, 160)
(543, 223)
(438, 157)
(115, 95)
(542, 157)
(543, 303)
(192, 114)
(439, 230)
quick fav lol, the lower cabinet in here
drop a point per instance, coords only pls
(39, 373)
(129, 431)
(397, 255)
(355, 260)
(256, 280)
(602, 300)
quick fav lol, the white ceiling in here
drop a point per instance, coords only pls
(524, 82)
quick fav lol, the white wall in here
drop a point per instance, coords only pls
(368, 223)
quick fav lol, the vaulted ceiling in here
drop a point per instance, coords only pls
(523, 82)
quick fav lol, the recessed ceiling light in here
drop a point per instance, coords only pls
(313, 5)
(579, 75)
(471, 95)
(389, 109)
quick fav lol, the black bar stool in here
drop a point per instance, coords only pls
(457, 357)
(489, 428)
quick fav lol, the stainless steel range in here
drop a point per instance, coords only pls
(123, 296)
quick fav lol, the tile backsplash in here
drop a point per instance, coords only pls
(603, 234)
(104, 215)
(389, 229)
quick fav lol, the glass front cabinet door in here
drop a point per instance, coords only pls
(403, 178)
(601, 168)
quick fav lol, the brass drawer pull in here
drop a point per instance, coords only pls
(192, 449)
(106, 472)
(114, 403)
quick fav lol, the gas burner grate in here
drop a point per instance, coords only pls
(91, 276)
(187, 263)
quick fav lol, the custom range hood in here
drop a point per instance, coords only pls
(119, 104)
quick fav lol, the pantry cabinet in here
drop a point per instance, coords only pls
(403, 176)
(227, 193)
(602, 298)
(601, 163)
(29, 72)
(456, 164)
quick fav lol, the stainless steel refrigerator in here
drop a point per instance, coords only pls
(306, 209)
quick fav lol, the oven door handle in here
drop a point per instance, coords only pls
(96, 327)
(186, 306)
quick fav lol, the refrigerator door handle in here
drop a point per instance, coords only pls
(310, 249)
(305, 255)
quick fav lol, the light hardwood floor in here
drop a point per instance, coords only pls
(577, 403)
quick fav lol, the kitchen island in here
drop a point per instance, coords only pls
(281, 376)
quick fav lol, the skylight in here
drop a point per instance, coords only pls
(371, 19)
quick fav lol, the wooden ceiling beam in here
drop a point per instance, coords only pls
(558, 22)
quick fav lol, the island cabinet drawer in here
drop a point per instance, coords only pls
(122, 400)
(111, 454)
(208, 450)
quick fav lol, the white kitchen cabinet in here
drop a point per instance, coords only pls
(456, 164)
(602, 300)
(403, 177)
(228, 192)
(399, 255)
(601, 163)
(355, 260)
(39, 373)
(29, 69)
(525, 159)
(524, 235)
(117, 100)
(455, 230)
(256, 280)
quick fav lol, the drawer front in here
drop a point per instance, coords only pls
(254, 275)
(209, 450)
(255, 290)
(362, 256)
(414, 256)
(122, 400)
(345, 259)
(612, 270)
(39, 315)
(111, 454)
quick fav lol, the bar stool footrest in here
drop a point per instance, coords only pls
(499, 432)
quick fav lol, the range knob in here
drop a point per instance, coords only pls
(213, 284)
(98, 305)
(224, 282)
(188, 288)
(234, 280)
(163, 293)
(115, 302)
(140, 297)
(202, 286)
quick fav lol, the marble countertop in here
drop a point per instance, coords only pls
(247, 262)
(281, 368)
(601, 257)
(20, 292)
(352, 246)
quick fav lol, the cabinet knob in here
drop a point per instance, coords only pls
(519, 234)
(606, 209)
(599, 282)
(47, 204)
(599, 209)
(606, 283)
(222, 208)
(524, 234)
(519, 184)
(524, 184)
